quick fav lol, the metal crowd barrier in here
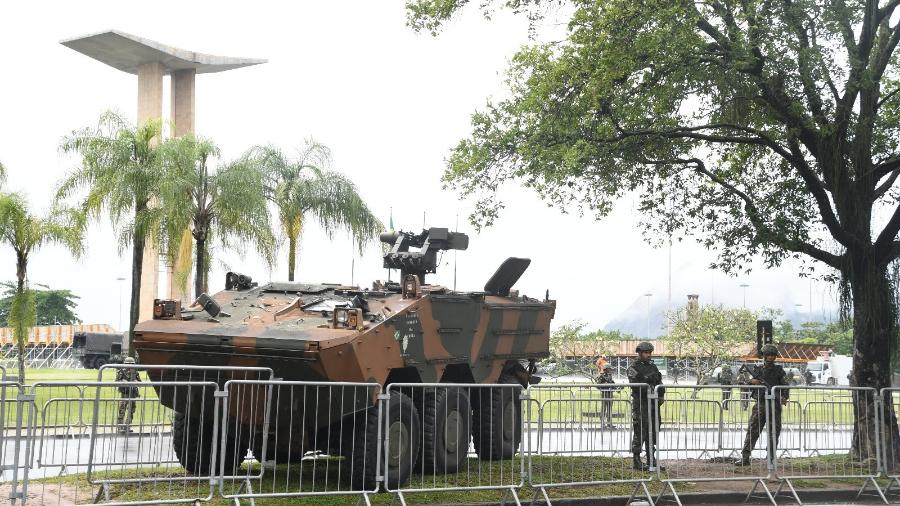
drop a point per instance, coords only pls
(831, 413)
(123, 450)
(427, 429)
(295, 439)
(247, 439)
(890, 445)
(590, 425)
(701, 441)
(15, 411)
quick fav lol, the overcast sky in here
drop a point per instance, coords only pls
(389, 103)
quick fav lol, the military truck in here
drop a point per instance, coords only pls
(96, 349)
(395, 332)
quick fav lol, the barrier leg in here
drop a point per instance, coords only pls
(877, 489)
(515, 497)
(765, 488)
(894, 481)
(399, 495)
(543, 491)
(791, 488)
(667, 486)
(364, 498)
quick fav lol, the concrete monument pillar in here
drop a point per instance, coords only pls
(150, 60)
(182, 96)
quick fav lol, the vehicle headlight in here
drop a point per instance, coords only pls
(341, 315)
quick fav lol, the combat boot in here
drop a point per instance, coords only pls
(744, 460)
(652, 461)
(637, 465)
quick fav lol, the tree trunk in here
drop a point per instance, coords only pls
(199, 277)
(874, 331)
(137, 258)
(21, 340)
(292, 256)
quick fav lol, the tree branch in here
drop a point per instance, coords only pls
(884, 187)
(814, 185)
(887, 236)
(886, 166)
(752, 211)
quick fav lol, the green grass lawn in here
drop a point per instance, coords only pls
(169, 483)
(59, 405)
(582, 405)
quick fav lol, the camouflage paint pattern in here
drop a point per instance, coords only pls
(428, 331)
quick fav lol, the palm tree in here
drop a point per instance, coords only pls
(305, 188)
(123, 172)
(26, 233)
(228, 204)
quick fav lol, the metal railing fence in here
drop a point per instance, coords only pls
(843, 441)
(700, 440)
(114, 442)
(296, 439)
(427, 432)
(596, 428)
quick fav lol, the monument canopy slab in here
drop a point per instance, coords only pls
(127, 52)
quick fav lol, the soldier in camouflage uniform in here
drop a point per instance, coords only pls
(770, 375)
(643, 370)
(606, 394)
(743, 379)
(128, 393)
(726, 379)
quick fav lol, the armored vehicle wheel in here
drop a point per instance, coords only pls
(100, 362)
(405, 431)
(447, 429)
(497, 416)
(193, 442)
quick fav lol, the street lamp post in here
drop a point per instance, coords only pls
(744, 286)
(120, 280)
(648, 295)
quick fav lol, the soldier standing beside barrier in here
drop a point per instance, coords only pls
(744, 379)
(643, 413)
(770, 375)
(606, 394)
(128, 393)
(726, 379)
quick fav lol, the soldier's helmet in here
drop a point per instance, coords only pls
(129, 360)
(644, 346)
(769, 349)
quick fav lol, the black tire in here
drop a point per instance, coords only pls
(100, 361)
(447, 429)
(193, 443)
(88, 362)
(497, 417)
(362, 449)
(830, 382)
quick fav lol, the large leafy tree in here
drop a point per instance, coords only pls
(305, 188)
(52, 306)
(574, 350)
(710, 335)
(763, 128)
(228, 203)
(122, 174)
(25, 233)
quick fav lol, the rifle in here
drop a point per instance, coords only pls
(761, 380)
(755, 376)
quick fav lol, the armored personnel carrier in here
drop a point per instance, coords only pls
(395, 332)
